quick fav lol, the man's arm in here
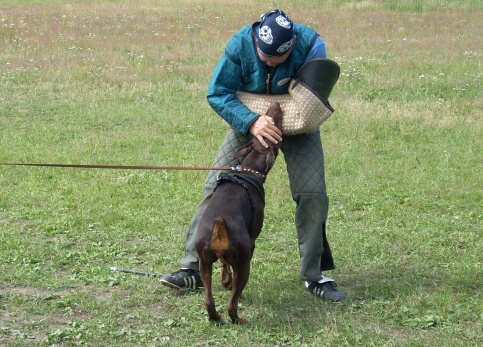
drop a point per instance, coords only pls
(221, 96)
(318, 50)
(224, 84)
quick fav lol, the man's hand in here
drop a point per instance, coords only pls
(264, 128)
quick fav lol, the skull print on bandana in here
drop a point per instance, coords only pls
(265, 34)
(275, 33)
(283, 22)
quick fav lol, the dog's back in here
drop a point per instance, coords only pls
(233, 220)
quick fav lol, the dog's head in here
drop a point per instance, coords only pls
(258, 157)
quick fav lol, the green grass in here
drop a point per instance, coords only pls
(124, 83)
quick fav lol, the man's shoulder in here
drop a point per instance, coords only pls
(306, 37)
(245, 32)
(303, 29)
(240, 40)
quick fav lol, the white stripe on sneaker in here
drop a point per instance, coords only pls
(190, 282)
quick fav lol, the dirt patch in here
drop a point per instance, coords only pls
(12, 321)
(11, 325)
(37, 292)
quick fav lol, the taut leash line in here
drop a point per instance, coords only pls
(120, 167)
(136, 272)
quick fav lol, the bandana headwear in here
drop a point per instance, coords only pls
(275, 34)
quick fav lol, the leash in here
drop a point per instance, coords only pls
(136, 272)
(120, 167)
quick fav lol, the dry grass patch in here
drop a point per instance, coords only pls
(433, 113)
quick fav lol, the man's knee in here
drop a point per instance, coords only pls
(312, 206)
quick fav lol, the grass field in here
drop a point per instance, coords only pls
(124, 83)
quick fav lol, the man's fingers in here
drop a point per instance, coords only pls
(275, 134)
(264, 129)
(267, 136)
(262, 141)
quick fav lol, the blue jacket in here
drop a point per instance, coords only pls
(240, 69)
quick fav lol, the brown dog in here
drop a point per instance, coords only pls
(233, 220)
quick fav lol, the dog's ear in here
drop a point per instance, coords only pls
(243, 150)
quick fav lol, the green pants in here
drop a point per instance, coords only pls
(305, 166)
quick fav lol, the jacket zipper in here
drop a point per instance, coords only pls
(268, 83)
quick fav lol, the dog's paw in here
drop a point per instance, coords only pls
(216, 317)
(238, 320)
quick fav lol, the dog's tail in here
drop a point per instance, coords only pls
(219, 238)
(220, 244)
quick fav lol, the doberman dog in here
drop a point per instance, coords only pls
(233, 220)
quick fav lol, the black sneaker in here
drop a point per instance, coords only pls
(326, 290)
(183, 279)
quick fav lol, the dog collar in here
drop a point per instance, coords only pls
(246, 169)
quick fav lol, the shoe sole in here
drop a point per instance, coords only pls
(328, 299)
(174, 286)
(334, 300)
